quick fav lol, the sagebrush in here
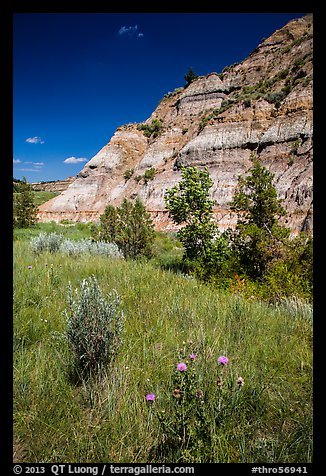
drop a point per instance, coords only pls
(94, 325)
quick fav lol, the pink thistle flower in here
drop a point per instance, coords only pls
(192, 356)
(29, 267)
(150, 397)
(223, 360)
(181, 367)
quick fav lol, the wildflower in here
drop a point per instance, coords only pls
(177, 393)
(223, 360)
(29, 267)
(181, 367)
(240, 382)
(192, 356)
(219, 382)
(150, 397)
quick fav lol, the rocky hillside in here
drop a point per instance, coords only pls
(53, 185)
(261, 106)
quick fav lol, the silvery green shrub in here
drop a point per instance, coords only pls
(55, 242)
(296, 308)
(47, 242)
(95, 325)
(73, 248)
(107, 249)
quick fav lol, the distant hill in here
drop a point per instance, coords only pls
(53, 185)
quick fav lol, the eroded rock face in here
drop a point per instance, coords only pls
(261, 106)
(53, 186)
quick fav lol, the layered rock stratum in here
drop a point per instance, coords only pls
(260, 107)
(53, 185)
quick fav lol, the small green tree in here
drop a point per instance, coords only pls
(188, 203)
(108, 229)
(129, 226)
(258, 238)
(24, 207)
(190, 76)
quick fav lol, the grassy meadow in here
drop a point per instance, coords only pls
(107, 418)
(40, 196)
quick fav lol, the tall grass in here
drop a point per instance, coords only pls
(107, 418)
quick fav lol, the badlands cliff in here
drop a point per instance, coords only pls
(53, 185)
(261, 106)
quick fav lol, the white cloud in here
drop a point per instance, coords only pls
(36, 164)
(35, 140)
(74, 160)
(130, 30)
(29, 170)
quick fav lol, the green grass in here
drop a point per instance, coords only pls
(108, 419)
(73, 231)
(42, 196)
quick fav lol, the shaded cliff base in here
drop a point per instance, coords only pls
(300, 220)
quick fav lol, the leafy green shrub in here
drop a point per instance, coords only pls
(275, 98)
(171, 94)
(279, 282)
(290, 161)
(128, 174)
(149, 174)
(203, 123)
(295, 146)
(293, 274)
(281, 74)
(66, 222)
(214, 265)
(94, 326)
(138, 178)
(129, 226)
(24, 210)
(154, 129)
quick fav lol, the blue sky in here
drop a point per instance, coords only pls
(79, 76)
